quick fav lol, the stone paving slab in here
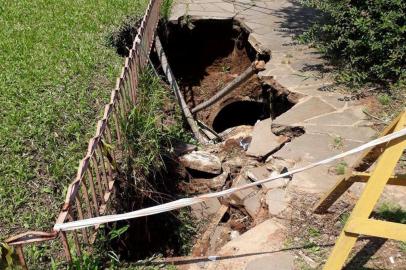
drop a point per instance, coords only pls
(360, 134)
(263, 240)
(315, 181)
(314, 147)
(283, 261)
(348, 117)
(309, 108)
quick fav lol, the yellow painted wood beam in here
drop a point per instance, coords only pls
(378, 228)
(373, 190)
(342, 184)
(397, 180)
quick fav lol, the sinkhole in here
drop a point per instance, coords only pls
(240, 113)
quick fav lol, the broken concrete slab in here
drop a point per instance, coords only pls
(220, 236)
(202, 161)
(239, 196)
(261, 173)
(218, 181)
(233, 165)
(263, 140)
(252, 204)
(278, 165)
(304, 110)
(280, 261)
(206, 209)
(277, 201)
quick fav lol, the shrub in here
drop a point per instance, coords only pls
(366, 38)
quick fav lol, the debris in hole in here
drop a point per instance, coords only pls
(220, 54)
(242, 121)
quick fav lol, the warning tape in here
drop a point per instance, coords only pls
(84, 223)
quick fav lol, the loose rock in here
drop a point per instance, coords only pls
(276, 200)
(202, 161)
(181, 148)
(252, 204)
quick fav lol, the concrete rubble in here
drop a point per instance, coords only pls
(201, 161)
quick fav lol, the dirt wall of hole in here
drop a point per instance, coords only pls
(206, 55)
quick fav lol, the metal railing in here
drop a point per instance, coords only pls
(88, 195)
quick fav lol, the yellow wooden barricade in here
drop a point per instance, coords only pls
(359, 223)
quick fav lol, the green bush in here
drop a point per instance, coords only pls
(366, 38)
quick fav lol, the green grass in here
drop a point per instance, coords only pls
(57, 72)
(391, 212)
(384, 99)
(152, 125)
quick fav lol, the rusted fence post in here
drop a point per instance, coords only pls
(21, 258)
(65, 245)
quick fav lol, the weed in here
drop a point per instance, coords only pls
(7, 257)
(166, 7)
(288, 243)
(384, 99)
(402, 246)
(86, 262)
(391, 212)
(186, 19)
(116, 233)
(341, 168)
(338, 142)
(225, 68)
(313, 232)
(344, 218)
(312, 247)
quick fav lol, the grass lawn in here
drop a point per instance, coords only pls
(56, 73)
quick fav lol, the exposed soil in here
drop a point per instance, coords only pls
(205, 59)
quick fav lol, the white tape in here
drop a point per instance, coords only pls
(84, 223)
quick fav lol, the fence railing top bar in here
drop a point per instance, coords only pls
(31, 237)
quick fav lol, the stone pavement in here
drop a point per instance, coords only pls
(332, 125)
